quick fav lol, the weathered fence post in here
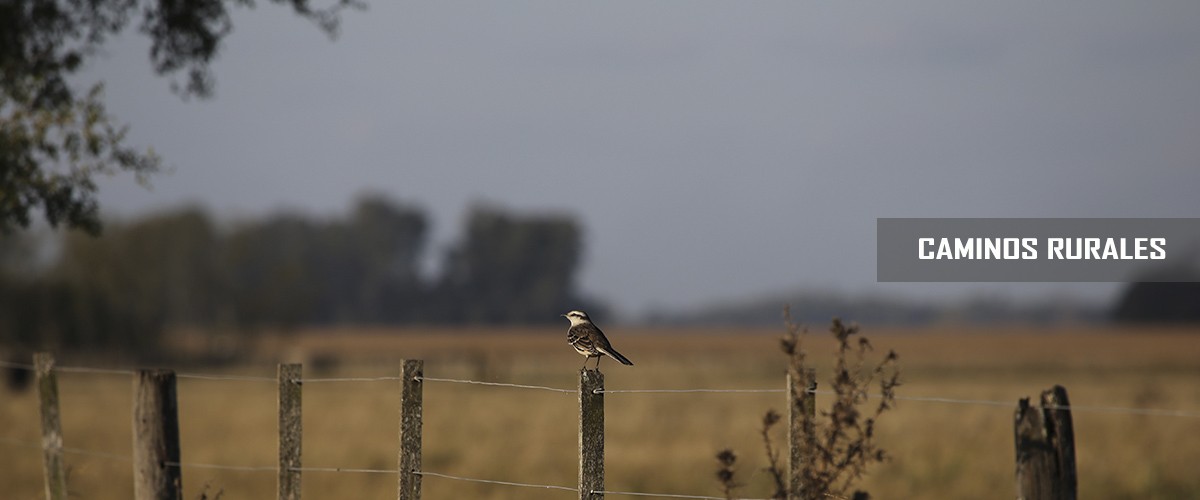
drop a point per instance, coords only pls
(156, 472)
(411, 386)
(591, 434)
(52, 440)
(290, 431)
(1045, 442)
(802, 407)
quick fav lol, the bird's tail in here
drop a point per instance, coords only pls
(612, 353)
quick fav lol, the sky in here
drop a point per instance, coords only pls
(711, 150)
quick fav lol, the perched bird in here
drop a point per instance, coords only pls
(588, 340)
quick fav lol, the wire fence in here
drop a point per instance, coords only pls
(275, 468)
(1161, 412)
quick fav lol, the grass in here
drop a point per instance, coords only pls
(655, 442)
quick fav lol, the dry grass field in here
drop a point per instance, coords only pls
(661, 443)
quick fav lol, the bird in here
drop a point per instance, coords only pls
(588, 340)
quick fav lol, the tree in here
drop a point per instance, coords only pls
(513, 269)
(291, 270)
(273, 268)
(1149, 300)
(384, 242)
(54, 140)
(124, 288)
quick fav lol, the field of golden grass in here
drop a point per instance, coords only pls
(660, 443)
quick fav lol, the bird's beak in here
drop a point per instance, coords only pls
(563, 315)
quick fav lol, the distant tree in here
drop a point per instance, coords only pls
(121, 291)
(55, 140)
(511, 269)
(1152, 301)
(386, 241)
(124, 288)
(270, 268)
(291, 270)
(18, 254)
(18, 284)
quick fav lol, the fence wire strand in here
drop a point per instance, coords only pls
(489, 481)
(666, 495)
(349, 379)
(498, 384)
(1158, 412)
(244, 468)
(667, 391)
(237, 378)
(344, 469)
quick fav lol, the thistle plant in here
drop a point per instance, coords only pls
(836, 445)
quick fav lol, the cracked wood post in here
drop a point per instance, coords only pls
(1045, 446)
(52, 440)
(591, 434)
(802, 409)
(289, 431)
(411, 386)
(156, 471)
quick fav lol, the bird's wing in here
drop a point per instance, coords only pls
(588, 336)
(583, 335)
(600, 340)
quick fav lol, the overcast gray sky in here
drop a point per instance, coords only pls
(711, 149)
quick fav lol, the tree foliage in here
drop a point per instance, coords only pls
(122, 290)
(508, 269)
(55, 140)
(1162, 296)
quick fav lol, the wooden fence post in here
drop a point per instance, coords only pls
(52, 440)
(411, 386)
(802, 408)
(1045, 443)
(290, 430)
(156, 472)
(591, 434)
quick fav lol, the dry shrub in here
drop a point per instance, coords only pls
(835, 446)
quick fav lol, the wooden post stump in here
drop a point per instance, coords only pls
(156, 473)
(411, 407)
(1045, 446)
(290, 431)
(52, 440)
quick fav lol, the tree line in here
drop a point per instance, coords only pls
(182, 268)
